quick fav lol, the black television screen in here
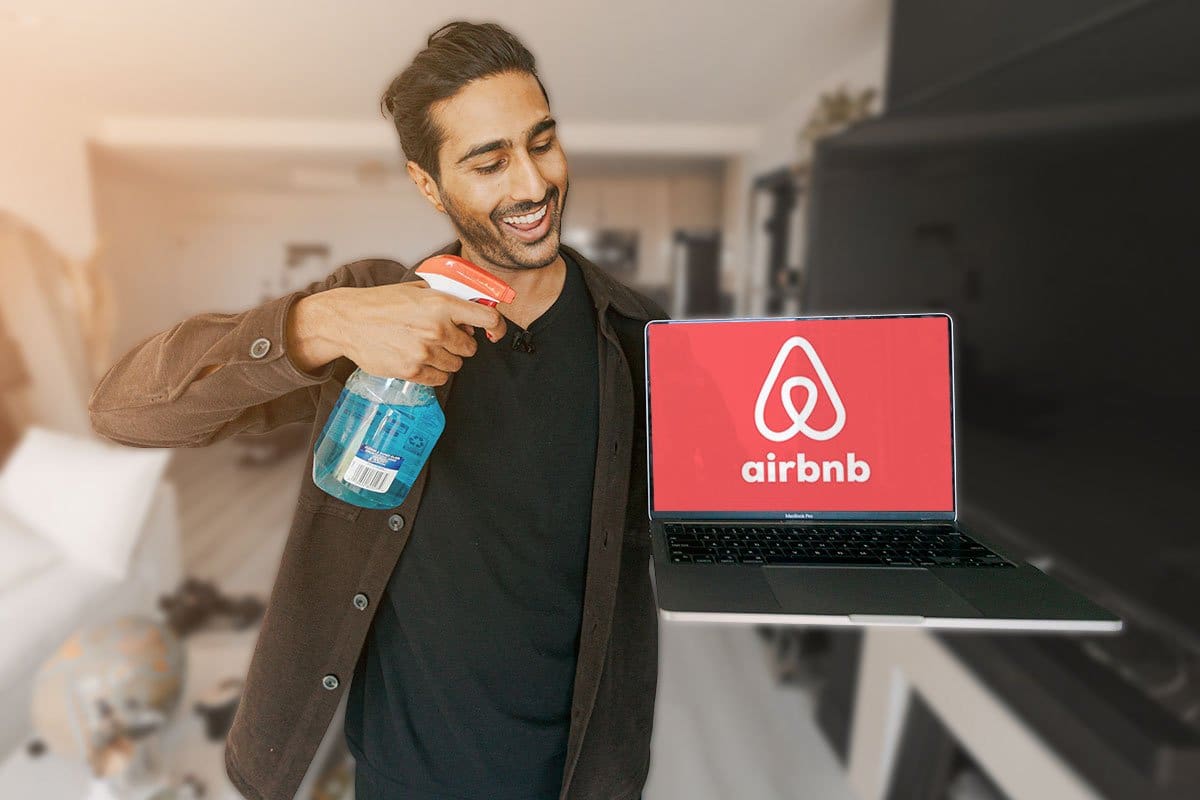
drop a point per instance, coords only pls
(1067, 248)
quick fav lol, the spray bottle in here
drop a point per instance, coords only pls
(382, 430)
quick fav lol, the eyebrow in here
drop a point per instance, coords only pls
(498, 144)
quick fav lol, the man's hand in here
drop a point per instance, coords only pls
(401, 330)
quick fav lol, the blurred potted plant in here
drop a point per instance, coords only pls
(835, 111)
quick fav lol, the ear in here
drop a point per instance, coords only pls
(426, 184)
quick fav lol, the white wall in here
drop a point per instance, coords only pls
(174, 250)
(44, 173)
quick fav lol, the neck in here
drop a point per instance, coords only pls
(536, 288)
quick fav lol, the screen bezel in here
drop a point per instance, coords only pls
(801, 514)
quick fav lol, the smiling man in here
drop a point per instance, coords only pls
(496, 632)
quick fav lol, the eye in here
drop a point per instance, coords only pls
(490, 168)
(542, 148)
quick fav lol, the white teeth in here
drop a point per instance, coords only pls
(528, 218)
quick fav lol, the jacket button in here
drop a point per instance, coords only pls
(330, 682)
(395, 522)
(360, 601)
(260, 347)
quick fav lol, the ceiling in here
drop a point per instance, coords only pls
(628, 61)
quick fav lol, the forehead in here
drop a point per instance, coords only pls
(496, 107)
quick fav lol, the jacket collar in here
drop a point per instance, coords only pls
(605, 292)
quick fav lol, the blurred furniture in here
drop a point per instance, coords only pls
(696, 288)
(774, 206)
(911, 674)
(1030, 716)
(52, 592)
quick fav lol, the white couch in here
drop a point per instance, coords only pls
(40, 608)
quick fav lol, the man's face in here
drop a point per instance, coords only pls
(503, 173)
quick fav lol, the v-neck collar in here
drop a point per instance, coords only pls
(546, 317)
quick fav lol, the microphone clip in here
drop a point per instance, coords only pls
(523, 341)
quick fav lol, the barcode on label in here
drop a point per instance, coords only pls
(368, 476)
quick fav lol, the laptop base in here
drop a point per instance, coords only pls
(1019, 598)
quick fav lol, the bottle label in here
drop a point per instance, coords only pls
(373, 470)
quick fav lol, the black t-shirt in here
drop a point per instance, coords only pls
(463, 688)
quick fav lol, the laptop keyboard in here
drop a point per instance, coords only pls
(858, 545)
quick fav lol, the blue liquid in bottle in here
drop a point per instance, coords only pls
(376, 440)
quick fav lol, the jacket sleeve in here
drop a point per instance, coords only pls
(153, 396)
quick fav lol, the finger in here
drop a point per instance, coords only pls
(481, 316)
(495, 332)
(444, 361)
(429, 376)
(469, 330)
(459, 342)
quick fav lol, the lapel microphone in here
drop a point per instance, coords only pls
(523, 341)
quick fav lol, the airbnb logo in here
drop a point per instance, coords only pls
(849, 469)
(799, 417)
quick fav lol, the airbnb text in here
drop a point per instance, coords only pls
(800, 470)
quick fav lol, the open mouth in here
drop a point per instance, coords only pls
(529, 227)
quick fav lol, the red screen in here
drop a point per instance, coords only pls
(817, 415)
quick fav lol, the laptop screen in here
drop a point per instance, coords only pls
(822, 418)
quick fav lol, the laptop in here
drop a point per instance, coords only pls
(802, 471)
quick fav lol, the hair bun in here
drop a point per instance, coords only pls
(444, 29)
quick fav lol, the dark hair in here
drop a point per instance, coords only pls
(455, 55)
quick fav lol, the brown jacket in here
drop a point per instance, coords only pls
(339, 557)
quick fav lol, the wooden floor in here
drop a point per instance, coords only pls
(234, 518)
(723, 729)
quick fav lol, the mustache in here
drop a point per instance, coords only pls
(525, 208)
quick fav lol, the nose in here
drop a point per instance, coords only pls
(526, 181)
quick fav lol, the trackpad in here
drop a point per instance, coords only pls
(816, 590)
